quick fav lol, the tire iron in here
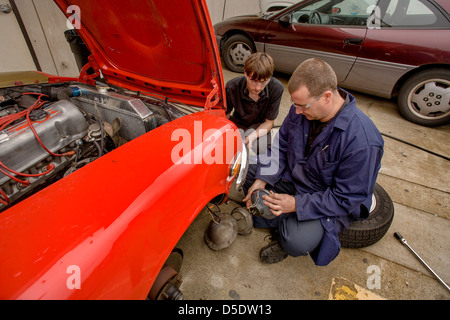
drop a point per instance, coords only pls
(403, 241)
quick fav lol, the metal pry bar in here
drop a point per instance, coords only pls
(403, 241)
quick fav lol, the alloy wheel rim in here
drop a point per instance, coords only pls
(239, 52)
(430, 99)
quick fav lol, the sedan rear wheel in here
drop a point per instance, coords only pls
(425, 98)
(235, 51)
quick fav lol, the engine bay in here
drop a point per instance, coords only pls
(48, 131)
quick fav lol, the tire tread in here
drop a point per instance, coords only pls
(367, 232)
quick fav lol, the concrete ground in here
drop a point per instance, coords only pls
(418, 183)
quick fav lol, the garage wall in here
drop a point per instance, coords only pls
(222, 9)
(35, 30)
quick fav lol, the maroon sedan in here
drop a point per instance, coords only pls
(388, 48)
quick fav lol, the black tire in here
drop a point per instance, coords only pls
(424, 98)
(236, 50)
(366, 232)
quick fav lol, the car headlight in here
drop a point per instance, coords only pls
(239, 166)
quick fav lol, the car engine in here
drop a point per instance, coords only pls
(48, 131)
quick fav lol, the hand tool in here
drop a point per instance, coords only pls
(403, 241)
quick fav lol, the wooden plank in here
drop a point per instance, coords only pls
(45, 25)
(54, 23)
(36, 35)
(14, 51)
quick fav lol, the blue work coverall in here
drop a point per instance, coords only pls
(335, 181)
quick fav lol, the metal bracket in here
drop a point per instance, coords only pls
(212, 99)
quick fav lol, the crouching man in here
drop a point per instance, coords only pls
(321, 169)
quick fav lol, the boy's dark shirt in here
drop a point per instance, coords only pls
(247, 112)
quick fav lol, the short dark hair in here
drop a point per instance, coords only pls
(259, 66)
(316, 75)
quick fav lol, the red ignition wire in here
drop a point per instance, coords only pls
(50, 168)
(39, 103)
(5, 121)
(8, 119)
(5, 199)
(24, 182)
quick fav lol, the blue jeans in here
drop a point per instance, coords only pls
(297, 238)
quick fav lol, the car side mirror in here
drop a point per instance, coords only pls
(285, 20)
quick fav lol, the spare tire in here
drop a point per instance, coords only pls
(363, 233)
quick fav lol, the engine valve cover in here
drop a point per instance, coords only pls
(61, 125)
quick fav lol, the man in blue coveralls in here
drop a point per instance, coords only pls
(321, 169)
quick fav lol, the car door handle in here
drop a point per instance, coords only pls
(354, 41)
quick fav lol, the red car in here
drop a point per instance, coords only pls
(387, 48)
(101, 175)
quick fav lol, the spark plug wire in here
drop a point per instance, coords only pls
(5, 199)
(50, 168)
(7, 120)
(39, 103)
(23, 182)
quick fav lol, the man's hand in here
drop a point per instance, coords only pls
(258, 184)
(262, 130)
(279, 203)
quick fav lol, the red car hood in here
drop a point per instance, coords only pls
(158, 46)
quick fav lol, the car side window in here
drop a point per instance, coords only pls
(344, 12)
(413, 13)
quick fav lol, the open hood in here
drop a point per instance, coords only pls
(158, 46)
